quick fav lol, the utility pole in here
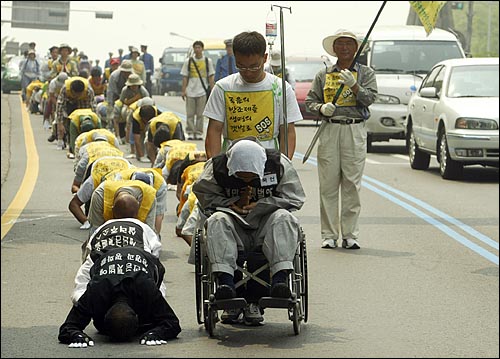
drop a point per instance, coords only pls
(470, 15)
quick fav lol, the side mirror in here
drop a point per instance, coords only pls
(428, 92)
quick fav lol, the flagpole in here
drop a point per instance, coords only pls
(339, 91)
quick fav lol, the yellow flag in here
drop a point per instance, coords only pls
(427, 12)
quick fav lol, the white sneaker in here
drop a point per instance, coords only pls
(350, 243)
(329, 243)
(60, 145)
(144, 160)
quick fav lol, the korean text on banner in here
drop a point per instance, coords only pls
(427, 12)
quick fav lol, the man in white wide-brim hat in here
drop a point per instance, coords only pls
(342, 140)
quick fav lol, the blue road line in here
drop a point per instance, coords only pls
(442, 227)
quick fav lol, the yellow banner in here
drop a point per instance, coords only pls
(427, 12)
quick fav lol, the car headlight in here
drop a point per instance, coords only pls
(466, 123)
(387, 99)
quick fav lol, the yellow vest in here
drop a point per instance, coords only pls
(168, 118)
(76, 117)
(137, 117)
(70, 93)
(105, 165)
(126, 174)
(178, 153)
(190, 174)
(100, 149)
(148, 197)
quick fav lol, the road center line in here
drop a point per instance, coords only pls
(23, 195)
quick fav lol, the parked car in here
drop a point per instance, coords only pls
(11, 78)
(454, 116)
(171, 63)
(401, 56)
(304, 69)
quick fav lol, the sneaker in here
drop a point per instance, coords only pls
(329, 243)
(52, 138)
(232, 316)
(130, 156)
(144, 160)
(350, 243)
(70, 155)
(253, 314)
(60, 145)
(225, 291)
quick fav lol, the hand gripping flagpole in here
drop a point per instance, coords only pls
(283, 76)
(339, 91)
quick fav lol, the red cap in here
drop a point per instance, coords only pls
(114, 61)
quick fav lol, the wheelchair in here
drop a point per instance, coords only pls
(252, 272)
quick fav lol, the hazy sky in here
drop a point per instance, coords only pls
(150, 23)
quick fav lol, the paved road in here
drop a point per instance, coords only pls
(417, 288)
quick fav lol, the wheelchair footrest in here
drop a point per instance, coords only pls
(234, 303)
(273, 302)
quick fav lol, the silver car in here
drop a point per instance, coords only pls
(454, 116)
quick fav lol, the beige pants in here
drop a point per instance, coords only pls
(341, 161)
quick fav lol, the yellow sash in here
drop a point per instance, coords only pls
(178, 153)
(70, 93)
(168, 118)
(77, 114)
(250, 114)
(189, 175)
(126, 174)
(100, 149)
(346, 98)
(105, 165)
(148, 197)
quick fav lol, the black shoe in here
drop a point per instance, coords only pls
(280, 290)
(225, 291)
(51, 138)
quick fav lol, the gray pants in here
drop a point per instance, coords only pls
(194, 108)
(278, 235)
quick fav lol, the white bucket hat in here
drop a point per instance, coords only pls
(329, 40)
(126, 66)
(134, 79)
(275, 58)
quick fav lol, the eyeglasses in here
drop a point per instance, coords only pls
(250, 69)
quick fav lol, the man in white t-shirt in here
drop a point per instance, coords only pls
(249, 103)
(197, 81)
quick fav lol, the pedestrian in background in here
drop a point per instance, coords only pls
(342, 142)
(149, 64)
(226, 65)
(274, 67)
(197, 82)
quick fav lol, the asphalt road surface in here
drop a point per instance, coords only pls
(424, 283)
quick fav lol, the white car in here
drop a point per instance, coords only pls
(454, 116)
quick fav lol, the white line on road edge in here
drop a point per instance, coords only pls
(439, 225)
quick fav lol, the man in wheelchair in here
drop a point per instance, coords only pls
(248, 194)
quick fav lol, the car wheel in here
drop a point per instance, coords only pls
(369, 147)
(418, 160)
(448, 168)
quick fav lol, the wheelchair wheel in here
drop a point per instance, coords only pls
(303, 282)
(198, 275)
(211, 320)
(296, 318)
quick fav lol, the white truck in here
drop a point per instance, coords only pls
(401, 57)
